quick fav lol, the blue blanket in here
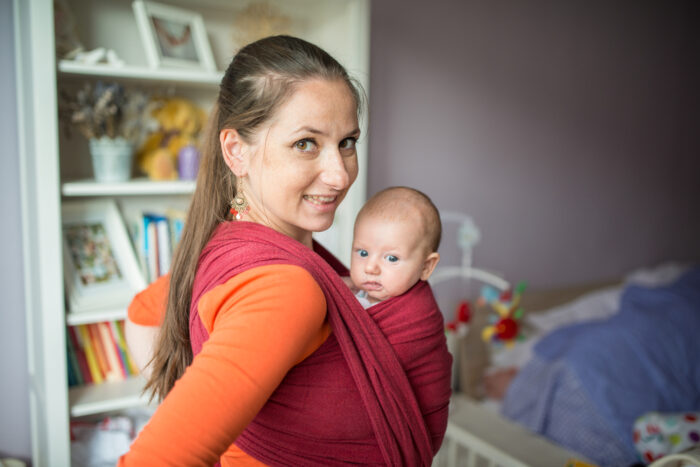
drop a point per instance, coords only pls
(645, 358)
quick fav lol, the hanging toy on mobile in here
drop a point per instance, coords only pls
(463, 314)
(504, 326)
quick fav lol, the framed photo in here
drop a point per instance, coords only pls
(173, 37)
(99, 266)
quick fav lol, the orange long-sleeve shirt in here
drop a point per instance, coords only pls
(260, 323)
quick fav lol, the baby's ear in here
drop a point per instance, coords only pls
(429, 265)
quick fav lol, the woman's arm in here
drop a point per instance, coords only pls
(141, 327)
(141, 340)
(261, 323)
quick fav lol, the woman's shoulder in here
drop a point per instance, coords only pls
(236, 247)
(248, 244)
(271, 286)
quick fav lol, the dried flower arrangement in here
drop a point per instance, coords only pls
(105, 109)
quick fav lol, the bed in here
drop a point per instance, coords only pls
(515, 432)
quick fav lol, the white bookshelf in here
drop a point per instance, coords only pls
(135, 187)
(95, 316)
(54, 169)
(107, 397)
(139, 73)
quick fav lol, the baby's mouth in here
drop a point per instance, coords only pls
(371, 286)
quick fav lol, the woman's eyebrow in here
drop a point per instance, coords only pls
(315, 131)
(308, 129)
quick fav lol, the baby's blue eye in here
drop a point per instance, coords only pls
(391, 258)
(363, 253)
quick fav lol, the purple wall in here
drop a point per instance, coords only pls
(569, 130)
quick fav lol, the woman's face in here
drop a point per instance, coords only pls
(300, 165)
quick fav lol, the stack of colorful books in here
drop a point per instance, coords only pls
(97, 353)
(155, 237)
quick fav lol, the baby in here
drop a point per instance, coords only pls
(396, 237)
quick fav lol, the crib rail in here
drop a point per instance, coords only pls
(477, 436)
(463, 449)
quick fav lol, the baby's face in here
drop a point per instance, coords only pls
(387, 256)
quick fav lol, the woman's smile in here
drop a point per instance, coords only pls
(322, 203)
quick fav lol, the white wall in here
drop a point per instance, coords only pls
(14, 399)
(567, 129)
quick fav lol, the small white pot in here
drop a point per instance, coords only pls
(111, 159)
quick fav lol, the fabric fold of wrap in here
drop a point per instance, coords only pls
(390, 359)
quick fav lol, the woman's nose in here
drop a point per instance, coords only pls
(334, 172)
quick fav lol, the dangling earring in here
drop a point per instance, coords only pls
(239, 205)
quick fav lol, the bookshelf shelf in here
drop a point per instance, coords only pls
(96, 316)
(135, 187)
(106, 397)
(140, 73)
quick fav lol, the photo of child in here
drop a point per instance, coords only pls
(91, 253)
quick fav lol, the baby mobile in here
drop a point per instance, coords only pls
(505, 324)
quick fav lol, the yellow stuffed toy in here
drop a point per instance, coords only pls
(179, 122)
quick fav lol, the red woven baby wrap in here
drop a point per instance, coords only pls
(376, 392)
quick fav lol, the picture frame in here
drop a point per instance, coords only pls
(99, 266)
(173, 37)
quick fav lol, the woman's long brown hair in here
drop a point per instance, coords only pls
(258, 81)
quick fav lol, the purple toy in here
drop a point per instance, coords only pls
(188, 163)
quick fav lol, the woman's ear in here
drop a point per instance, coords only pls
(235, 151)
(429, 265)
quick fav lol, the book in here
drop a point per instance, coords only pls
(97, 353)
(151, 248)
(95, 341)
(80, 355)
(155, 236)
(74, 374)
(115, 369)
(133, 369)
(164, 250)
(176, 219)
(85, 343)
(117, 346)
(70, 372)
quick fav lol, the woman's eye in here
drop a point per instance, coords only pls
(391, 258)
(348, 143)
(362, 253)
(305, 145)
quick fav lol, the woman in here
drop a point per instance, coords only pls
(284, 366)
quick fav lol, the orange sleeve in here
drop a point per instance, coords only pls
(261, 323)
(148, 306)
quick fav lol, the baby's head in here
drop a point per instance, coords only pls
(397, 234)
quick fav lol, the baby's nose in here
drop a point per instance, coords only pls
(371, 267)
